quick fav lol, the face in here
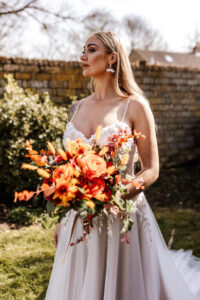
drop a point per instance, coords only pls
(95, 56)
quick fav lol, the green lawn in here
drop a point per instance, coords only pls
(26, 257)
(26, 254)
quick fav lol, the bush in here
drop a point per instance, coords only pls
(22, 216)
(24, 115)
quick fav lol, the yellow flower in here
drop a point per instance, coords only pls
(125, 158)
(101, 197)
(90, 203)
(43, 173)
(62, 154)
(98, 131)
(111, 170)
(28, 166)
(103, 150)
(51, 147)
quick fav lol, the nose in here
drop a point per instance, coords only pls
(82, 57)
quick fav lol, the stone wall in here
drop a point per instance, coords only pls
(174, 95)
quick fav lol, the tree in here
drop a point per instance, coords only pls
(141, 35)
(62, 31)
(193, 40)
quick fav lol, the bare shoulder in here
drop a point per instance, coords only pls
(73, 108)
(139, 107)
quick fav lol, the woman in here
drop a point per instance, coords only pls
(103, 268)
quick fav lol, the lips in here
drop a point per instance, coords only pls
(85, 65)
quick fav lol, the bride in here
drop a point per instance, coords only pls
(102, 267)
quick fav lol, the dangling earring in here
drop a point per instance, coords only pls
(110, 70)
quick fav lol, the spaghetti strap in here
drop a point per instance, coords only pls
(126, 108)
(77, 109)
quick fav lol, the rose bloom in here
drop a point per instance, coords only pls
(93, 165)
(91, 187)
(64, 171)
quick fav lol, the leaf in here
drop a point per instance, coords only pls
(122, 168)
(131, 206)
(127, 224)
(120, 202)
(83, 213)
(81, 190)
(50, 206)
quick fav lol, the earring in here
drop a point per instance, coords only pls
(110, 70)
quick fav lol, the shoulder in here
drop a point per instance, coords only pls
(139, 102)
(139, 108)
(72, 108)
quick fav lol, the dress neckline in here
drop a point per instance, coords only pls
(103, 128)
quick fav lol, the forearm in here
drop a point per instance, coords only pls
(148, 176)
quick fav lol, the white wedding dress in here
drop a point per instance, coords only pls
(103, 268)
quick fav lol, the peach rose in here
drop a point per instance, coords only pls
(93, 165)
(64, 171)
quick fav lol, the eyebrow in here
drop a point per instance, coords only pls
(90, 45)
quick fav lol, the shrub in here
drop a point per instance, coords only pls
(24, 115)
(21, 216)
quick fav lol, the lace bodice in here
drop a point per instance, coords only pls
(73, 133)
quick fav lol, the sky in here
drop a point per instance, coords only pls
(176, 20)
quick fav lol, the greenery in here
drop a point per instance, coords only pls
(177, 187)
(24, 115)
(26, 257)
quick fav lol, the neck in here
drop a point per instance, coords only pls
(104, 89)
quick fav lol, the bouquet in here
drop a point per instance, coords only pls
(86, 178)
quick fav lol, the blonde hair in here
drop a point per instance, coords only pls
(123, 75)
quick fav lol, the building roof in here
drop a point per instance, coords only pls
(167, 58)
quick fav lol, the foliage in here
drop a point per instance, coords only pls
(24, 115)
(23, 215)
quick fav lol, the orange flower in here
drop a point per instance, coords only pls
(65, 190)
(51, 147)
(62, 154)
(65, 171)
(23, 196)
(93, 165)
(43, 173)
(28, 166)
(77, 147)
(93, 187)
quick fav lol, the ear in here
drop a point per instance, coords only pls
(113, 57)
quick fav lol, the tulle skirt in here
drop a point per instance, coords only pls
(103, 268)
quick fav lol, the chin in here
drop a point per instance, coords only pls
(86, 74)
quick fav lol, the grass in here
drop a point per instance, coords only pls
(26, 257)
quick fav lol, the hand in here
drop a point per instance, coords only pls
(118, 194)
(121, 195)
(56, 234)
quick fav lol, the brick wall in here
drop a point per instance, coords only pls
(174, 95)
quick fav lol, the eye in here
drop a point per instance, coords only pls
(90, 50)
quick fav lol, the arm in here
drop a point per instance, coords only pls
(143, 121)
